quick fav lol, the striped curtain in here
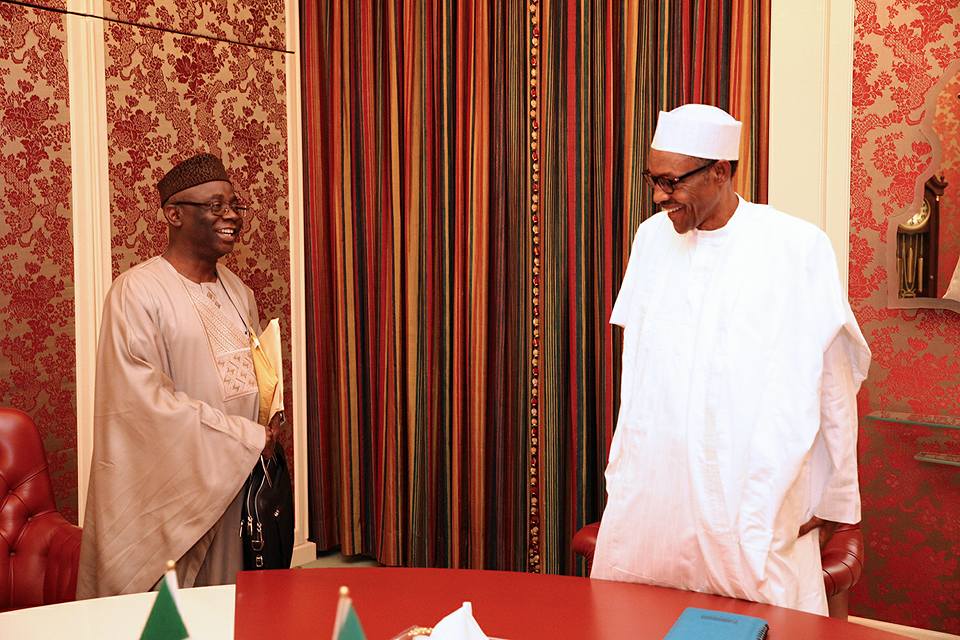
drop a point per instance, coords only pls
(609, 68)
(472, 187)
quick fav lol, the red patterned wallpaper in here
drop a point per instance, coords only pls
(259, 22)
(946, 124)
(170, 96)
(51, 4)
(37, 334)
(911, 510)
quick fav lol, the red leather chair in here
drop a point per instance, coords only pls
(39, 549)
(842, 560)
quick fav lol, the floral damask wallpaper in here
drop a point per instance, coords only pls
(51, 4)
(946, 124)
(259, 22)
(206, 75)
(37, 332)
(170, 96)
(911, 510)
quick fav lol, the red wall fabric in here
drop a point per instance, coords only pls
(946, 124)
(44, 4)
(37, 334)
(170, 96)
(206, 75)
(911, 514)
(257, 22)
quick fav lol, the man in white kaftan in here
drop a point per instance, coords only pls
(175, 418)
(741, 364)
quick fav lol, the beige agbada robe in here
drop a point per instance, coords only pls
(175, 432)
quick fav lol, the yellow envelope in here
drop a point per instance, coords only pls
(268, 366)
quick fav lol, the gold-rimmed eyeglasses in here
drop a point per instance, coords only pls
(216, 207)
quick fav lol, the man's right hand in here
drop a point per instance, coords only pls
(273, 434)
(824, 527)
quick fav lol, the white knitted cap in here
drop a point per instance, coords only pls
(698, 130)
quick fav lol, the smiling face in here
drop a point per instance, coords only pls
(700, 201)
(198, 230)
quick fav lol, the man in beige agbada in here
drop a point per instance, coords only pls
(175, 418)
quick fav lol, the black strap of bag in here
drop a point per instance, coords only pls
(266, 524)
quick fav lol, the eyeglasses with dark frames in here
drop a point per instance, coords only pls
(667, 185)
(217, 208)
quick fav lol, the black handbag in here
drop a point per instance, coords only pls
(266, 526)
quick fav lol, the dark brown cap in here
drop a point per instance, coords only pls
(203, 167)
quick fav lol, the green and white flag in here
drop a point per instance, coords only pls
(346, 626)
(164, 622)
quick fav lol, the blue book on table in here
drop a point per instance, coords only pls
(705, 624)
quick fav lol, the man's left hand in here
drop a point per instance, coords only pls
(826, 529)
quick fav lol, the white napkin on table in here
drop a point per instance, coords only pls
(459, 625)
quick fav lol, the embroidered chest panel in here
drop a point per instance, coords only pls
(229, 345)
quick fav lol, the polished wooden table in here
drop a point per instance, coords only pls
(301, 603)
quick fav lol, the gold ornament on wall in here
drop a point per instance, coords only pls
(917, 240)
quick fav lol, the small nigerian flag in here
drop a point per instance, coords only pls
(164, 622)
(346, 626)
